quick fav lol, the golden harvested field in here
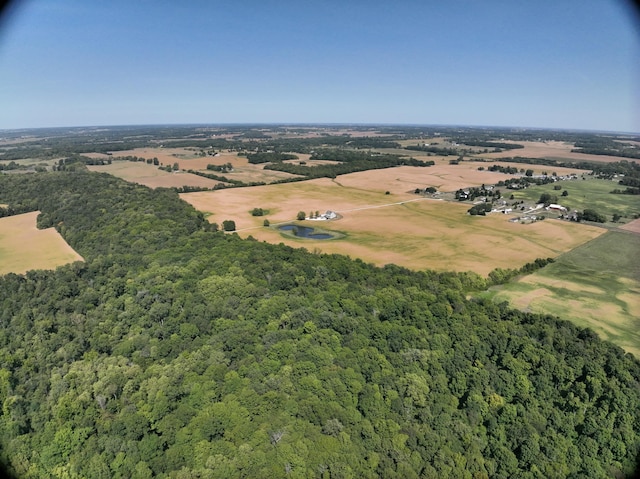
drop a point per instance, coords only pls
(443, 176)
(188, 160)
(166, 156)
(151, 176)
(548, 149)
(242, 169)
(24, 247)
(400, 227)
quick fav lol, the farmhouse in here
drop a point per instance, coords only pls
(554, 207)
(328, 215)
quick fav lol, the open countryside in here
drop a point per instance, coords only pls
(245, 348)
(419, 233)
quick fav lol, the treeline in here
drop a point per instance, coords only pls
(602, 169)
(227, 167)
(488, 143)
(433, 149)
(230, 181)
(174, 351)
(350, 161)
(12, 165)
(266, 157)
(598, 145)
(502, 276)
(510, 170)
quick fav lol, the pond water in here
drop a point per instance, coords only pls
(305, 232)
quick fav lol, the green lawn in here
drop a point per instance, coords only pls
(589, 193)
(596, 285)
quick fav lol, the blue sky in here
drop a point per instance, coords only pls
(544, 63)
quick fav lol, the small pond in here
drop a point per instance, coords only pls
(305, 232)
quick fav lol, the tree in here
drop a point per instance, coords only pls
(176, 167)
(565, 193)
(591, 215)
(547, 199)
(257, 212)
(529, 172)
(265, 223)
(229, 225)
(301, 215)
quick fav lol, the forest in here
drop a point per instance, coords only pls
(177, 351)
(349, 161)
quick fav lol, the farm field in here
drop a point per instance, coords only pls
(590, 193)
(558, 150)
(188, 160)
(596, 285)
(399, 227)
(151, 176)
(24, 247)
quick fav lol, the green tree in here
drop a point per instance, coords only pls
(301, 215)
(229, 225)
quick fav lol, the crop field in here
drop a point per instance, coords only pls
(558, 150)
(151, 176)
(24, 247)
(596, 285)
(590, 193)
(188, 160)
(399, 227)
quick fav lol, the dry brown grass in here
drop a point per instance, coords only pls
(188, 160)
(151, 176)
(24, 247)
(549, 149)
(400, 227)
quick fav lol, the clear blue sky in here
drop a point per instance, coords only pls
(543, 63)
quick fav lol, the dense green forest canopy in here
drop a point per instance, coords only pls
(176, 351)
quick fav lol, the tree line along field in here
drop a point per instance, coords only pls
(596, 285)
(177, 351)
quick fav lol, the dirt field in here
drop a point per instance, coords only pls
(548, 149)
(633, 226)
(400, 227)
(23, 247)
(151, 176)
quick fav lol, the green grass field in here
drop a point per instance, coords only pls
(589, 193)
(596, 285)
